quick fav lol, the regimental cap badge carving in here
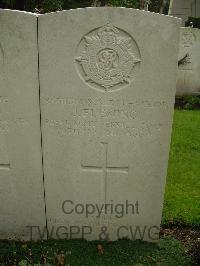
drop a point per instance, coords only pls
(107, 58)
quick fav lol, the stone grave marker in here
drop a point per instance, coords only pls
(184, 9)
(21, 175)
(107, 78)
(188, 77)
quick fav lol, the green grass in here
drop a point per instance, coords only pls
(182, 195)
(124, 253)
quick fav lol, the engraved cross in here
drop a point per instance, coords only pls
(4, 166)
(105, 169)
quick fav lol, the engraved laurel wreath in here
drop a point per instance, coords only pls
(107, 59)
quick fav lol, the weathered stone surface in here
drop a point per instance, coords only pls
(107, 92)
(184, 9)
(188, 78)
(21, 178)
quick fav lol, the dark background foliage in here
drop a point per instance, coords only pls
(43, 6)
(195, 22)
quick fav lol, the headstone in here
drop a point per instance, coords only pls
(21, 175)
(188, 78)
(107, 95)
(184, 9)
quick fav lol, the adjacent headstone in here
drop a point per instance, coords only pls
(184, 9)
(107, 78)
(21, 175)
(188, 78)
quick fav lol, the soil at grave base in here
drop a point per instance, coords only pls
(190, 239)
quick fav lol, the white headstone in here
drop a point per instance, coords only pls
(107, 94)
(21, 175)
(188, 78)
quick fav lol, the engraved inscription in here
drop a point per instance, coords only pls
(107, 58)
(187, 39)
(105, 169)
(185, 58)
(109, 117)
